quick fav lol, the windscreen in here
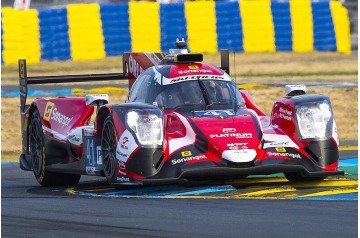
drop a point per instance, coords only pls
(200, 94)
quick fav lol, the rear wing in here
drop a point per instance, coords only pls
(24, 81)
(133, 65)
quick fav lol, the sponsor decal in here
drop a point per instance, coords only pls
(233, 135)
(90, 170)
(121, 154)
(124, 141)
(58, 117)
(285, 114)
(89, 131)
(294, 156)
(212, 113)
(280, 149)
(121, 164)
(22, 68)
(193, 67)
(75, 136)
(186, 153)
(274, 140)
(276, 144)
(74, 139)
(239, 156)
(229, 130)
(237, 146)
(196, 70)
(134, 67)
(125, 146)
(196, 77)
(186, 159)
(122, 179)
(48, 109)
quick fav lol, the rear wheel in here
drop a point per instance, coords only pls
(296, 177)
(39, 160)
(108, 150)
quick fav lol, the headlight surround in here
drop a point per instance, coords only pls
(147, 125)
(315, 120)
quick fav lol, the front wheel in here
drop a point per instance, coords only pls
(39, 159)
(297, 177)
(108, 150)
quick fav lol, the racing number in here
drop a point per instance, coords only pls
(93, 152)
(90, 152)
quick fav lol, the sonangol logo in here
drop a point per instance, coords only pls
(60, 118)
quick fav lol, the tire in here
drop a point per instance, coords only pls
(296, 177)
(108, 150)
(40, 161)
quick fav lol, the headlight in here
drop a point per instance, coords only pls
(147, 125)
(315, 120)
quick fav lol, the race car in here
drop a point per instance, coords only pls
(183, 120)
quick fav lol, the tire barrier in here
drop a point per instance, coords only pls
(94, 31)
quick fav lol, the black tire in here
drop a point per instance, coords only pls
(108, 150)
(40, 161)
(296, 177)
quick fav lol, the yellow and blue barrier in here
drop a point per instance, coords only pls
(94, 31)
(54, 37)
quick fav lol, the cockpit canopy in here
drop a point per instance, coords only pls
(197, 91)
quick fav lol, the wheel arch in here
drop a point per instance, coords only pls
(102, 114)
(30, 112)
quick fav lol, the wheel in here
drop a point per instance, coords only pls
(108, 150)
(39, 160)
(296, 177)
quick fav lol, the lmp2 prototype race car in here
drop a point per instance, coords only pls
(183, 120)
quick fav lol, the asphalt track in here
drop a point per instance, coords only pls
(254, 207)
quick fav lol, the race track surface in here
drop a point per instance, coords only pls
(253, 207)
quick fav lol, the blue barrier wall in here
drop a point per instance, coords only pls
(282, 25)
(54, 34)
(326, 23)
(115, 25)
(172, 24)
(324, 34)
(228, 26)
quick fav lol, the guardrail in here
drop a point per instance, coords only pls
(94, 31)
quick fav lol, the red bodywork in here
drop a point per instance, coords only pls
(214, 143)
